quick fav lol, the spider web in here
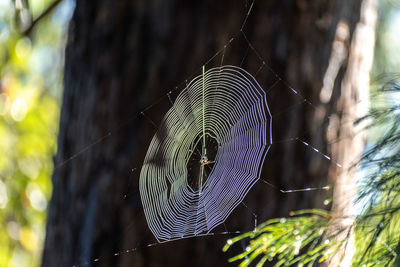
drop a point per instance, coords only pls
(225, 105)
(218, 127)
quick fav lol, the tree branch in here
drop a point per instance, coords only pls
(49, 9)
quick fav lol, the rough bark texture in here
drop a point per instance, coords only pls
(121, 56)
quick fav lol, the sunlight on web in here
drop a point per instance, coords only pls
(209, 149)
(221, 120)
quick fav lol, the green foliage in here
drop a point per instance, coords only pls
(30, 79)
(302, 239)
(377, 235)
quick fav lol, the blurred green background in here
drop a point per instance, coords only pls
(32, 41)
(31, 64)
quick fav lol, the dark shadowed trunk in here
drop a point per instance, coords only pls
(123, 55)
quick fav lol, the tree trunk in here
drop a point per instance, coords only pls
(353, 104)
(123, 55)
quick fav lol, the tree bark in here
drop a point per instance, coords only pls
(353, 104)
(123, 55)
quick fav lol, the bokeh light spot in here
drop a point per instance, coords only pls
(3, 195)
(4, 104)
(28, 239)
(19, 109)
(36, 197)
(13, 229)
(30, 167)
(23, 48)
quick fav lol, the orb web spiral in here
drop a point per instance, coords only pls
(206, 154)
